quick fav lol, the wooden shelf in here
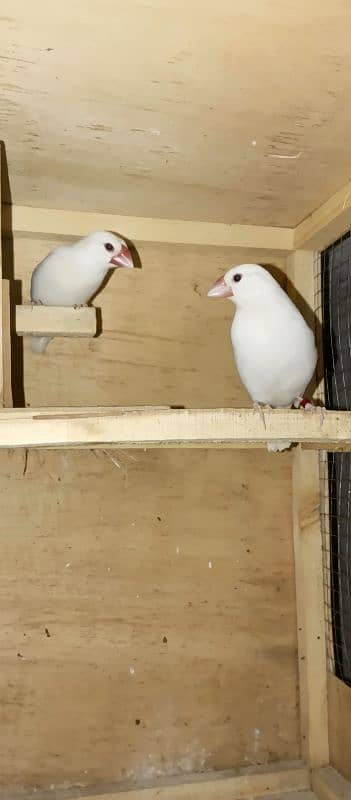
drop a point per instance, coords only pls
(145, 427)
(55, 321)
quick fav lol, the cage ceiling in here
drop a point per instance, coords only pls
(100, 112)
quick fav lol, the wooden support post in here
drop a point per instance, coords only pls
(5, 332)
(7, 401)
(309, 572)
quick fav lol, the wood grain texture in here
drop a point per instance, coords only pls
(55, 321)
(281, 781)
(148, 615)
(138, 538)
(6, 345)
(327, 222)
(62, 222)
(148, 427)
(151, 130)
(310, 610)
(163, 340)
(308, 546)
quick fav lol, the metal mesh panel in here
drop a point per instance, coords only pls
(333, 303)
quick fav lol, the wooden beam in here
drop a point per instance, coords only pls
(150, 427)
(53, 222)
(55, 321)
(328, 784)
(239, 784)
(325, 225)
(311, 634)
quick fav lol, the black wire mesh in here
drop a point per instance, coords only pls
(334, 307)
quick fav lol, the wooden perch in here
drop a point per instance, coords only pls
(55, 321)
(166, 427)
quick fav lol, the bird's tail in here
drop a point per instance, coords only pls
(39, 343)
(278, 446)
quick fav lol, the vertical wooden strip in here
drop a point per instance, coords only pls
(7, 401)
(309, 565)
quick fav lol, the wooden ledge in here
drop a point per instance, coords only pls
(147, 427)
(55, 321)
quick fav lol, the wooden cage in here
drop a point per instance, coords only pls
(101, 435)
(163, 615)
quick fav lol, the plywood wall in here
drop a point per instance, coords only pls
(164, 341)
(148, 611)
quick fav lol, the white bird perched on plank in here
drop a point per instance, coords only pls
(71, 274)
(273, 346)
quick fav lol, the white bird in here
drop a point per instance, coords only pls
(71, 274)
(273, 346)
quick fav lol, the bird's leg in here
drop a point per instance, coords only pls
(303, 402)
(259, 407)
(36, 303)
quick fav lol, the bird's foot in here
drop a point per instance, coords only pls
(36, 303)
(306, 405)
(80, 305)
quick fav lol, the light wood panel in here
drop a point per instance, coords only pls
(181, 119)
(194, 547)
(55, 222)
(148, 615)
(163, 340)
(327, 223)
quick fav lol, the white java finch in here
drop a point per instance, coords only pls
(274, 348)
(71, 274)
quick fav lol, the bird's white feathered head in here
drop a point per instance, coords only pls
(105, 250)
(245, 283)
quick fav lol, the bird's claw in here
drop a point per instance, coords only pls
(80, 305)
(306, 405)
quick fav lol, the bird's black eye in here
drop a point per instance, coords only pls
(237, 277)
(108, 246)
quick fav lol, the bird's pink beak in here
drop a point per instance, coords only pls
(220, 289)
(123, 259)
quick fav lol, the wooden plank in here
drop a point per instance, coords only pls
(327, 223)
(6, 345)
(310, 609)
(309, 565)
(54, 222)
(146, 427)
(34, 320)
(328, 784)
(244, 783)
